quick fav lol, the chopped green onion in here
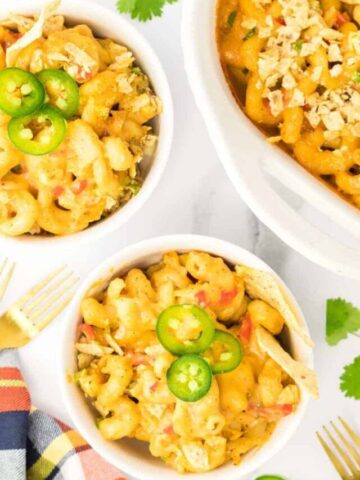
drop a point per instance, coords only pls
(249, 34)
(356, 77)
(232, 18)
(298, 45)
(134, 186)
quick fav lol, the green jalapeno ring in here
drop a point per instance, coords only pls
(269, 477)
(62, 91)
(225, 352)
(21, 93)
(29, 135)
(174, 319)
(189, 378)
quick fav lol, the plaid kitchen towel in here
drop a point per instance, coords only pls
(35, 446)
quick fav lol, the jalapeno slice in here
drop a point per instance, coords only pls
(189, 378)
(21, 93)
(269, 477)
(39, 133)
(62, 91)
(185, 329)
(225, 352)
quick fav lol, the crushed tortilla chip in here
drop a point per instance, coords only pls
(301, 374)
(263, 285)
(33, 34)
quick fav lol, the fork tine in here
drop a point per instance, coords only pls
(343, 454)
(351, 450)
(53, 299)
(38, 287)
(43, 296)
(3, 265)
(5, 283)
(54, 313)
(355, 438)
(333, 458)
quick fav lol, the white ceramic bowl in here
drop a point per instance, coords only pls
(106, 23)
(246, 155)
(130, 456)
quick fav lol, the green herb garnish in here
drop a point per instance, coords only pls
(134, 186)
(232, 18)
(298, 45)
(249, 34)
(142, 10)
(350, 380)
(356, 77)
(342, 319)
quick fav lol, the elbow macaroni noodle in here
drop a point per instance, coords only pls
(122, 366)
(294, 66)
(96, 169)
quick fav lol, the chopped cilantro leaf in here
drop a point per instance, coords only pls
(342, 318)
(249, 34)
(134, 186)
(356, 77)
(126, 6)
(298, 45)
(350, 380)
(232, 18)
(143, 10)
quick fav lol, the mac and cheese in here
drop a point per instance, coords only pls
(294, 66)
(96, 169)
(123, 367)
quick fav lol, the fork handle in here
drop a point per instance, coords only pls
(11, 336)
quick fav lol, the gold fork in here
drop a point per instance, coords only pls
(6, 272)
(346, 455)
(36, 309)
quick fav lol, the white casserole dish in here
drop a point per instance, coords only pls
(106, 23)
(246, 155)
(130, 456)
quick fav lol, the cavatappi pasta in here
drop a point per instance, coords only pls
(294, 66)
(96, 169)
(122, 367)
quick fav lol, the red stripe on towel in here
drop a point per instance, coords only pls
(10, 373)
(14, 399)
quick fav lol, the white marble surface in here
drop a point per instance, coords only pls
(195, 196)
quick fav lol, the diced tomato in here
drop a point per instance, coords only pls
(306, 107)
(83, 75)
(280, 20)
(341, 19)
(138, 358)
(266, 103)
(10, 40)
(88, 331)
(286, 96)
(169, 430)
(154, 387)
(245, 329)
(79, 186)
(58, 190)
(227, 297)
(275, 412)
(202, 299)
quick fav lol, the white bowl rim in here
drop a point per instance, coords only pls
(119, 262)
(87, 11)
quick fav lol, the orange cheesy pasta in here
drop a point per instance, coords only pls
(294, 66)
